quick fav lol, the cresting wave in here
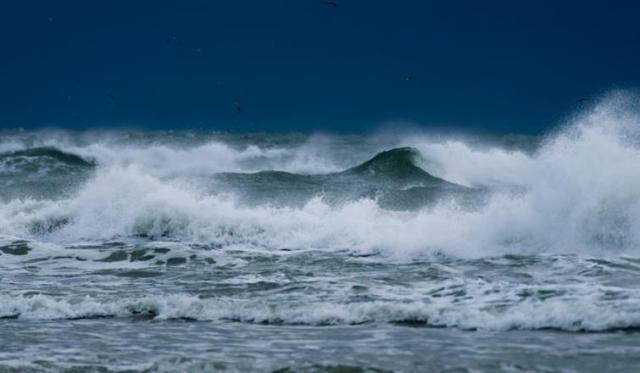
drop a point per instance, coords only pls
(486, 307)
(48, 153)
(165, 154)
(578, 193)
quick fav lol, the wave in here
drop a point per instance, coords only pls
(396, 165)
(584, 310)
(32, 159)
(168, 155)
(119, 203)
(41, 172)
(578, 193)
(50, 152)
(391, 177)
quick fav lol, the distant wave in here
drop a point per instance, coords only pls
(169, 157)
(391, 177)
(42, 156)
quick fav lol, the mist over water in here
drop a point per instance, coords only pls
(576, 193)
(468, 233)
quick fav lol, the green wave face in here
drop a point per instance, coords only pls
(40, 154)
(392, 177)
(41, 172)
(398, 163)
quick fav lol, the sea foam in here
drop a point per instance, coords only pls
(487, 307)
(578, 193)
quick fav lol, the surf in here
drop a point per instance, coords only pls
(578, 192)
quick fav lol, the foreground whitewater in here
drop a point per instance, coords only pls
(165, 251)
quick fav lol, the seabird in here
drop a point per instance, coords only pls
(332, 3)
(582, 99)
(236, 107)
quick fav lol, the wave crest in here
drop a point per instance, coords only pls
(578, 193)
(586, 312)
(44, 153)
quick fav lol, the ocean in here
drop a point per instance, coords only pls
(134, 250)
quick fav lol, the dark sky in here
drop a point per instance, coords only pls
(305, 65)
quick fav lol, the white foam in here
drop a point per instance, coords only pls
(488, 307)
(579, 193)
(176, 159)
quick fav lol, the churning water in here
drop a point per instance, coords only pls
(165, 251)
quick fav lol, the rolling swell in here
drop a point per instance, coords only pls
(44, 172)
(40, 154)
(391, 177)
(395, 166)
(389, 203)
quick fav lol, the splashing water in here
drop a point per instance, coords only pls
(320, 231)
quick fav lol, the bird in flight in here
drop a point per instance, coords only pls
(237, 108)
(332, 3)
(582, 99)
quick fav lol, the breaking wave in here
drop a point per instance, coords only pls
(581, 309)
(46, 153)
(579, 192)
